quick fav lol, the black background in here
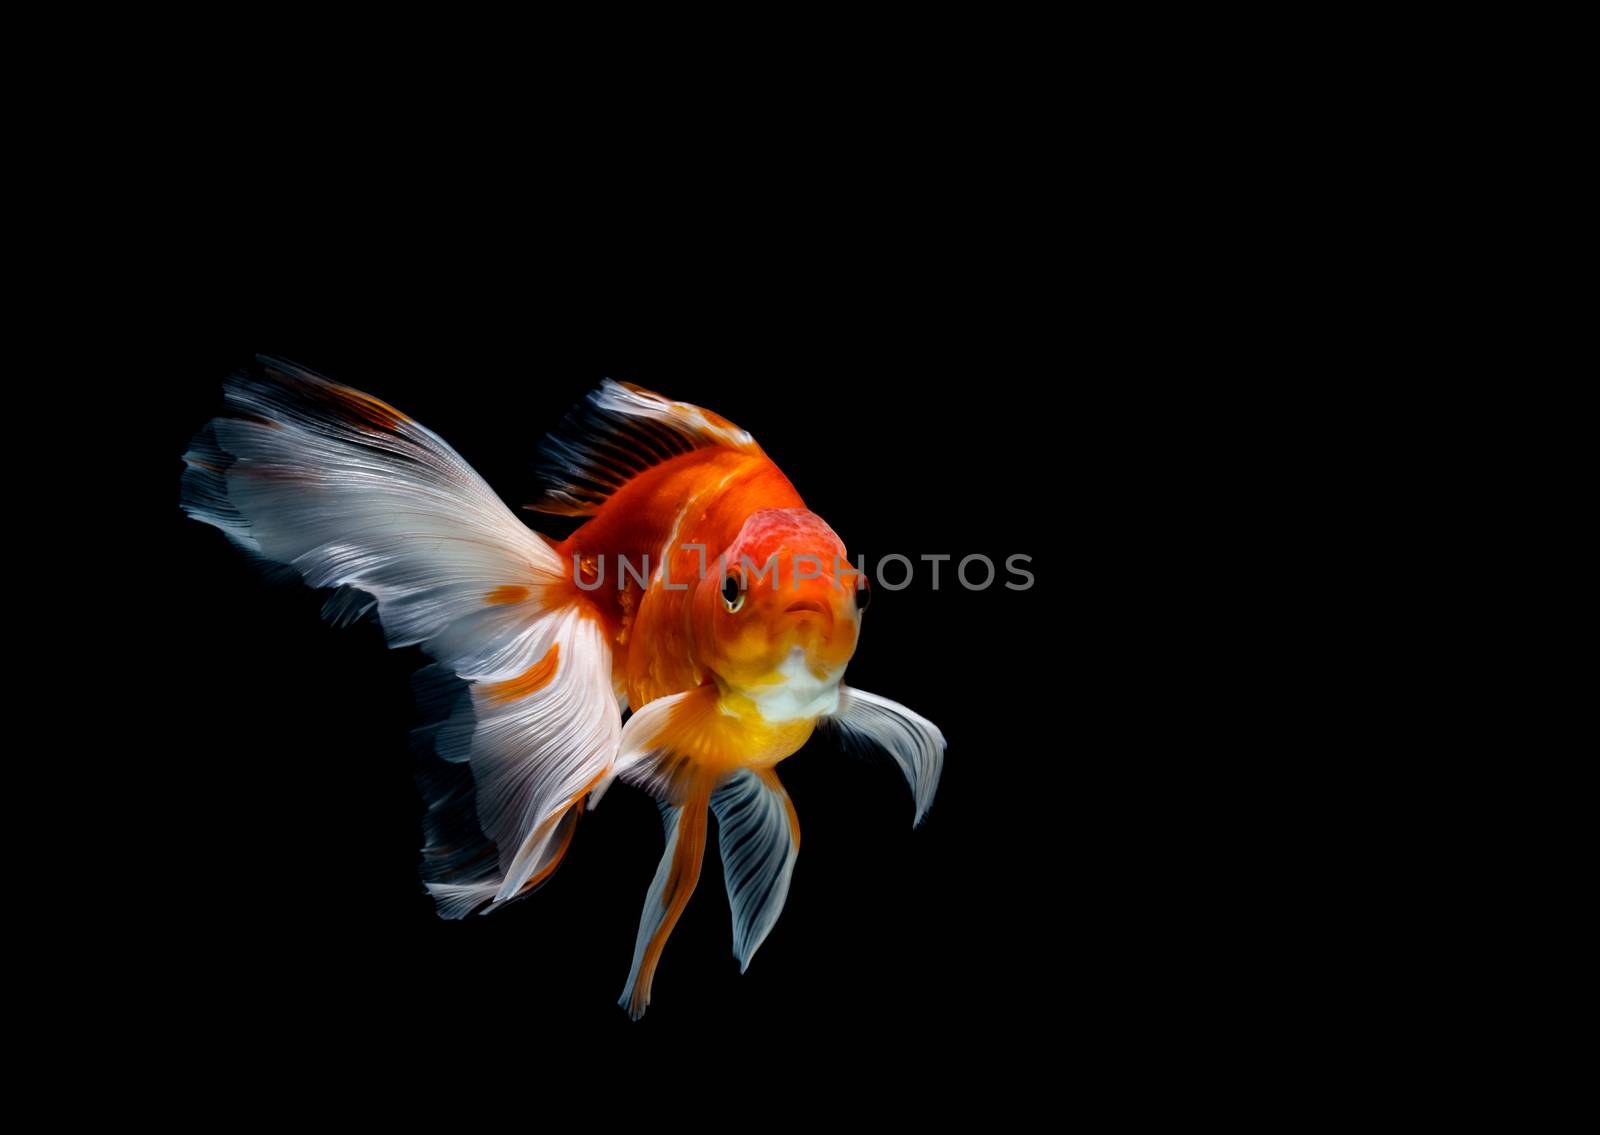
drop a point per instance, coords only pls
(957, 330)
(288, 824)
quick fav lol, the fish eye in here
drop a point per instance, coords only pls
(863, 593)
(732, 593)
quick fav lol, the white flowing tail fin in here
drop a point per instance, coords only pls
(344, 490)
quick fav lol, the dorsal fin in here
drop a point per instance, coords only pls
(617, 432)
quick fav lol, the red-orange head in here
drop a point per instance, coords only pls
(777, 615)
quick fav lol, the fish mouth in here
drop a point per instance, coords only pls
(805, 605)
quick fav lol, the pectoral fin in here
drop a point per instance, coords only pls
(674, 740)
(868, 721)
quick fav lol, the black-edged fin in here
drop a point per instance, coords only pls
(617, 432)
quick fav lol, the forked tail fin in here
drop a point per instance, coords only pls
(316, 479)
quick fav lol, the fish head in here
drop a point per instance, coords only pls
(779, 617)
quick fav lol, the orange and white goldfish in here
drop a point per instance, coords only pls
(700, 592)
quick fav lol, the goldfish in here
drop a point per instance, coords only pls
(689, 635)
